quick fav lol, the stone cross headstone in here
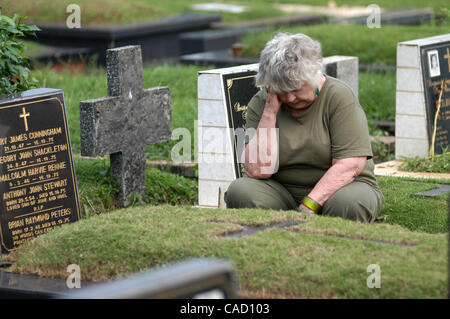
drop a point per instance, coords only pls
(423, 70)
(122, 124)
(38, 190)
(223, 96)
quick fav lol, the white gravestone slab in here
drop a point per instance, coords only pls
(419, 81)
(223, 95)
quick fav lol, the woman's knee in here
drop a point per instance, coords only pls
(267, 194)
(237, 193)
(358, 205)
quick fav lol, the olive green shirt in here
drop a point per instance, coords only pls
(334, 126)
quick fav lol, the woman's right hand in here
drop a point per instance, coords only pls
(273, 103)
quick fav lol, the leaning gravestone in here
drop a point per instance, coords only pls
(122, 124)
(223, 96)
(38, 190)
(423, 71)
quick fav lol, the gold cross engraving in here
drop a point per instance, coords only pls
(24, 115)
(447, 56)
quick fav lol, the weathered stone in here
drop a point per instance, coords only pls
(122, 124)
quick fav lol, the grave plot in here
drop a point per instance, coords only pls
(289, 255)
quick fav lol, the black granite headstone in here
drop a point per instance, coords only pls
(435, 59)
(38, 190)
(239, 90)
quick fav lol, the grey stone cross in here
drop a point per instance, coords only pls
(122, 124)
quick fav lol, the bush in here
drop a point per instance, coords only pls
(14, 66)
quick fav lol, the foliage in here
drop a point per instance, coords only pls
(98, 191)
(440, 163)
(14, 72)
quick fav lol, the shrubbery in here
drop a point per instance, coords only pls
(14, 65)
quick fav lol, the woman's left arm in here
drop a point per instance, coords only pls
(342, 172)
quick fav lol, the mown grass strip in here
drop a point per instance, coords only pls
(274, 262)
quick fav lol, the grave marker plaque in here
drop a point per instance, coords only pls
(239, 90)
(435, 60)
(38, 190)
(423, 68)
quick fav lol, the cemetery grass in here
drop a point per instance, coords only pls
(377, 96)
(371, 46)
(110, 12)
(321, 257)
(113, 12)
(98, 191)
(98, 194)
(91, 84)
(416, 213)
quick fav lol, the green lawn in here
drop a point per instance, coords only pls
(377, 96)
(373, 46)
(181, 80)
(98, 194)
(108, 12)
(321, 257)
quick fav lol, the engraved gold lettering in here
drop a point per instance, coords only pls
(57, 184)
(45, 133)
(37, 170)
(25, 155)
(15, 223)
(8, 158)
(56, 166)
(12, 176)
(50, 150)
(18, 138)
(37, 219)
(15, 193)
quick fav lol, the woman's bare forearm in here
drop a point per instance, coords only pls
(342, 172)
(263, 142)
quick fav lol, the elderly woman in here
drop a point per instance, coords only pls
(322, 148)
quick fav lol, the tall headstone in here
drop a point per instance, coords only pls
(122, 124)
(223, 96)
(38, 190)
(423, 70)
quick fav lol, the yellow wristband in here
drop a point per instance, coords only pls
(311, 204)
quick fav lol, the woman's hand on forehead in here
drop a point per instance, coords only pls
(273, 102)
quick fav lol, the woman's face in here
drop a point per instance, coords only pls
(299, 100)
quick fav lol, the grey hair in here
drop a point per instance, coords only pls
(289, 61)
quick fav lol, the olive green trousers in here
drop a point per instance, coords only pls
(356, 201)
